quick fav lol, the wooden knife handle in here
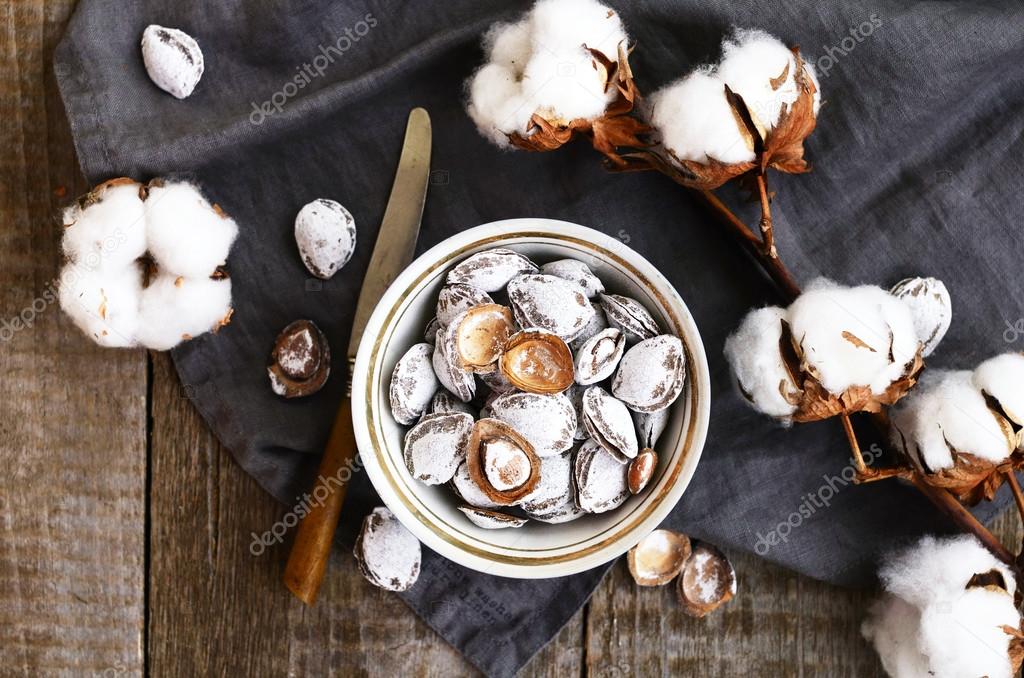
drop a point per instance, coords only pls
(312, 546)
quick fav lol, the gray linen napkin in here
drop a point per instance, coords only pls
(918, 159)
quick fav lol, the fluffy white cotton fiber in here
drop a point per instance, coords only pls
(751, 62)
(102, 286)
(103, 303)
(845, 337)
(853, 336)
(948, 411)
(753, 352)
(541, 65)
(696, 122)
(185, 234)
(1002, 378)
(176, 309)
(693, 117)
(111, 232)
(935, 619)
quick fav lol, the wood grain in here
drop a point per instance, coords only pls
(72, 416)
(97, 577)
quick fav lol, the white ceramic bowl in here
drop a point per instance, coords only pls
(536, 550)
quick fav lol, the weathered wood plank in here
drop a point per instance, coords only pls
(216, 608)
(642, 631)
(72, 416)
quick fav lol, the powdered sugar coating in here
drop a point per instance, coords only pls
(577, 272)
(555, 487)
(599, 356)
(173, 59)
(608, 421)
(630, 316)
(651, 374)
(564, 513)
(505, 465)
(550, 303)
(413, 384)
(600, 479)
(388, 554)
(436, 446)
(444, 402)
(650, 426)
(548, 422)
(467, 488)
(597, 323)
(454, 299)
(326, 235)
(452, 377)
(491, 520)
(575, 395)
(491, 270)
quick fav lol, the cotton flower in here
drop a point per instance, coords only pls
(107, 228)
(753, 352)
(956, 430)
(696, 121)
(853, 336)
(1002, 378)
(835, 349)
(186, 234)
(943, 614)
(103, 303)
(102, 287)
(175, 309)
(762, 70)
(541, 68)
(751, 110)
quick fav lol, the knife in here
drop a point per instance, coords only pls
(396, 245)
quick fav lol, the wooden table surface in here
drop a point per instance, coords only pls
(125, 527)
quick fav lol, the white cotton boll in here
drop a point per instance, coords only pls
(750, 60)
(903, 340)
(892, 627)
(186, 235)
(110, 233)
(696, 123)
(753, 352)
(175, 309)
(947, 410)
(564, 87)
(937, 568)
(931, 622)
(496, 104)
(845, 335)
(962, 635)
(103, 303)
(1002, 378)
(509, 45)
(540, 65)
(566, 25)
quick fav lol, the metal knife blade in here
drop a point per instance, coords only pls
(396, 244)
(400, 227)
